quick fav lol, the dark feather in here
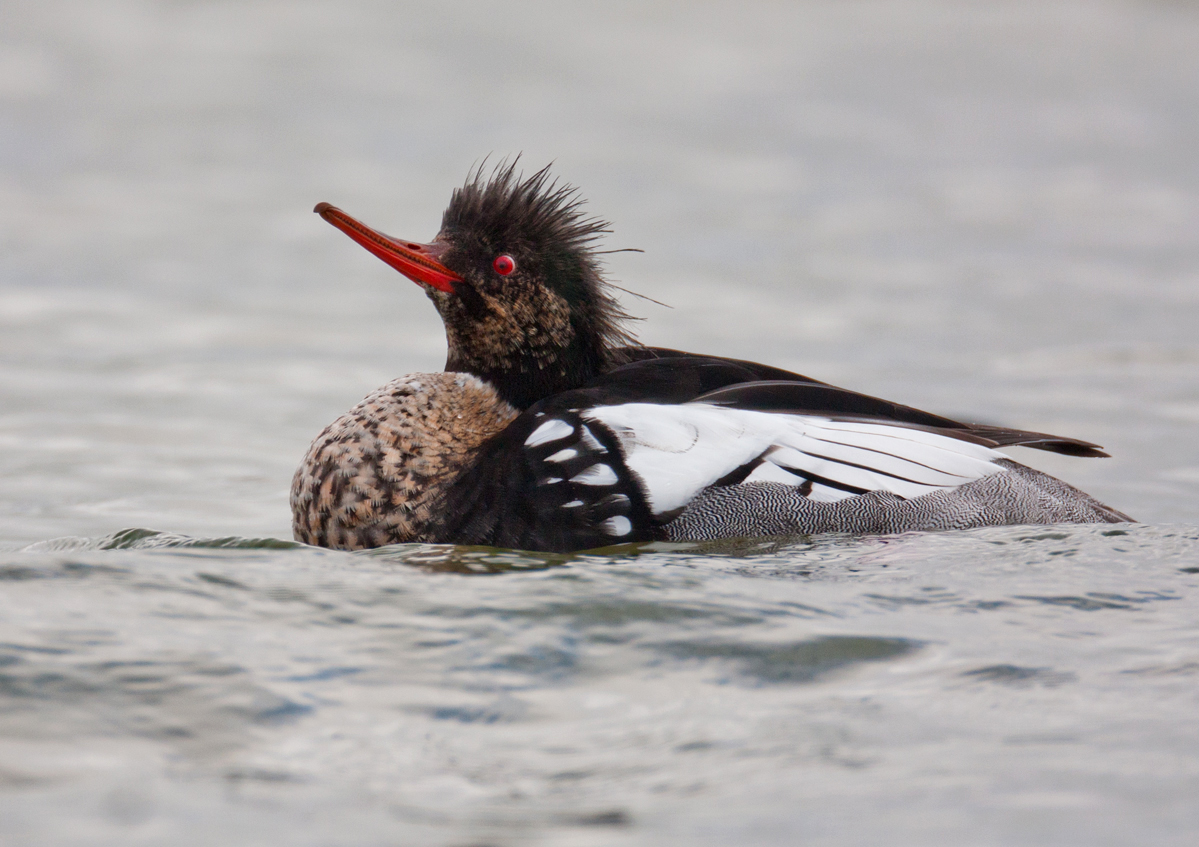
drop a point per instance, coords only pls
(667, 376)
(1004, 437)
(541, 218)
(814, 399)
(479, 507)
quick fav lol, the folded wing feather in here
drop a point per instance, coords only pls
(677, 451)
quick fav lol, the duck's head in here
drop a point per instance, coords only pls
(515, 278)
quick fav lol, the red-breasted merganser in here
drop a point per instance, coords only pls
(552, 429)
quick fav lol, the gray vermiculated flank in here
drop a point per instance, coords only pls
(1018, 495)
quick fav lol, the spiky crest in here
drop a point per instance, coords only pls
(538, 216)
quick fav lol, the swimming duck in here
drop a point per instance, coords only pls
(552, 429)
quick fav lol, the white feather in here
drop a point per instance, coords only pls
(552, 430)
(677, 451)
(824, 494)
(770, 472)
(596, 475)
(617, 525)
(592, 442)
(914, 448)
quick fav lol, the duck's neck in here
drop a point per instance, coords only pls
(531, 375)
(525, 361)
(528, 344)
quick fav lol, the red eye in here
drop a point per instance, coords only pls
(504, 265)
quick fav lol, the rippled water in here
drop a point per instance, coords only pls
(1002, 686)
(988, 211)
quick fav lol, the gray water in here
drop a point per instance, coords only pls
(987, 210)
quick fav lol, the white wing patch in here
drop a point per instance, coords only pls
(554, 429)
(597, 474)
(617, 526)
(677, 451)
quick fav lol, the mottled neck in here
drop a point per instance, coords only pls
(527, 349)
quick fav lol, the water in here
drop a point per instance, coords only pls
(987, 211)
(1009, 685)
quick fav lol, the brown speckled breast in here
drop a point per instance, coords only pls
(372, 476)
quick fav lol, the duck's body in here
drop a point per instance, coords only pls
(549, 431)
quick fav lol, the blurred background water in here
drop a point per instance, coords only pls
(987, 210)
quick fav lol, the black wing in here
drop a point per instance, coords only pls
(817, 399)
(670, 376)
